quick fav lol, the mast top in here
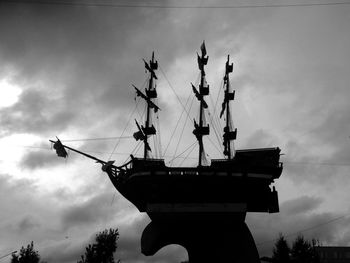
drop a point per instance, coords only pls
(203, 59)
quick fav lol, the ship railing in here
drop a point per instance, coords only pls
(140, 163)
(249, 162)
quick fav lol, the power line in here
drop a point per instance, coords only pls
(305, 229)
(14, 252)
(116, 5)
(316, 163)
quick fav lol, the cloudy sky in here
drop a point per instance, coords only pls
(67, 70)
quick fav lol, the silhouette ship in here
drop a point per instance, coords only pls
(239, 183)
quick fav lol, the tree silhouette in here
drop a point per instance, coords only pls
(103, 249)
(304, 251)
(26, 255)
(281, 251)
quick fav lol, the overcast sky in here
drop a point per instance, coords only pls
(67, 71)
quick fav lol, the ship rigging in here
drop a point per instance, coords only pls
(239, 183)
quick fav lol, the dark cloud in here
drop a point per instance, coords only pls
(75, 66)
(35, 113)
(302, 204)
(323, 168)
(92, 211)
(88, 56)
(261, 139)
(78, 60)
(39, 159)
(63, 252)
(298, 217)
(23, 213)
(43, 155)
(27, 223)
(310, 226)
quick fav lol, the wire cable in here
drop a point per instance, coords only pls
(182, 131)
(160, 137)
(172, 88)
(182, 152)
(187, 156)
(177, 123)
(214, 129)
(316, 163)
(210, 140)
(117, 5)
(117, 143)
(305, 229)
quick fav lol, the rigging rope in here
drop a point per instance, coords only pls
(125, 153)
(213, 118)
(304, 230)
(182, 131)
(182, 152)
(117, 143)
(177, 96)
(177, 123)
(215, 129)
(216, 103)
(219, 150)
(136, 148)
(160, 137)
(187, 156)
(97, 139)
(155, 146)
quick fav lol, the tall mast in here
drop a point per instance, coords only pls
(229, 134)
(200, 129)
(151, 93)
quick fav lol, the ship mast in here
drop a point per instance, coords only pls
(200, 129)
(229, 134)
(151, 93)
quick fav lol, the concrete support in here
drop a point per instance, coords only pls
(206, 240)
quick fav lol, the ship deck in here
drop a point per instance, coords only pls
(241, 184)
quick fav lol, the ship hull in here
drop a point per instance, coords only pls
(236, 186)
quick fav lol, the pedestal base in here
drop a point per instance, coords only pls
(206, 240)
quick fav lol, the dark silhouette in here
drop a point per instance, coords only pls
(304, 251)
(26, 255)
(102, 251)
(281, 251)
(184, 202)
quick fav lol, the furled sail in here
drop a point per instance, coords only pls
(150, 94)
(201, 128)
(230, 133)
